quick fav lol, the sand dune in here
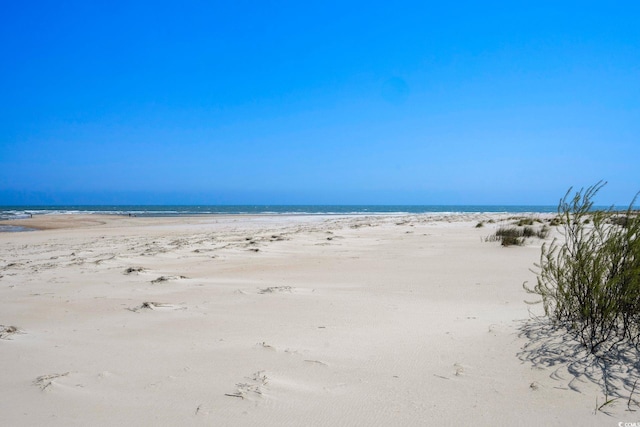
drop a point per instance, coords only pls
(281, 320)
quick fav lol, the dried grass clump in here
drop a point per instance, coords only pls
(517, 235)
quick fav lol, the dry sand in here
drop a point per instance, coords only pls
(279, 320)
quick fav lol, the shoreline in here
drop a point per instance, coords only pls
(80, 220)
(23, 212)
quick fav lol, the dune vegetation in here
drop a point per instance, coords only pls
(589, 281)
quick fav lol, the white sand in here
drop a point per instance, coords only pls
(276, 320)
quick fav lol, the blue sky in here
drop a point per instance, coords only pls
(326, 102)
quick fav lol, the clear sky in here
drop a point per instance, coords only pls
(390, 102)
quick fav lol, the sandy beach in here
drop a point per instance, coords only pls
(278, 320)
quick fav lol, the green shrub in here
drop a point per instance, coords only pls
(543, 232)
(525, 221)
(590, 281)
(528, 232)
(619, 220)
(512, 241)
(515, 236)
(555, 222)
(510, 236)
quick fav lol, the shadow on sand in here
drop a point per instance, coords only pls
(615, 370)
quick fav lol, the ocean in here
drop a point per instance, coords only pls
(18, 212)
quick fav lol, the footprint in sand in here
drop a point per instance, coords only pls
(155, 306)
(275, 289)
(167, 278)
(45, 381)
(7, 331)
(315, 362)
(132, 270)
(266, 346)
(256, 386)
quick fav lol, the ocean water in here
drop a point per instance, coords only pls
(19, 212)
